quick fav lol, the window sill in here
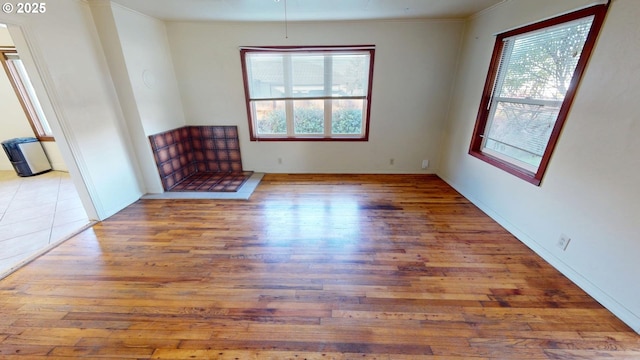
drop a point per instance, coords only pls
(512, 169)
(310, 138)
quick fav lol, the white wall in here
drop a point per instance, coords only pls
(138, 55)
(5, 37)
(13, 121)
(589, 191)
(151, 74)
(54, 155)
(62, 47)
(146, 51)
(414, 65)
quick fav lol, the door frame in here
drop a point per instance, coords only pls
(42, 83)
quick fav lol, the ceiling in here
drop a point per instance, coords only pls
(305, 10)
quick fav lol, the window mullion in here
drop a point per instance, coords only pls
(328, 90)
(288, 91)
(528, 101)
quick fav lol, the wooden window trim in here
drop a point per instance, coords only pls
(475, 148)
(23, 97)
(315, 48)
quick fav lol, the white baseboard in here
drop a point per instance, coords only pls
(585, 284)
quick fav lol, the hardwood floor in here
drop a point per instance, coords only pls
(311, 267)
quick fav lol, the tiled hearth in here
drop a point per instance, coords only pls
(199, 158)
(213, 182)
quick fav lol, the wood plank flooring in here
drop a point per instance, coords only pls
(311, 267)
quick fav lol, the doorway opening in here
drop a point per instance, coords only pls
(36, 212)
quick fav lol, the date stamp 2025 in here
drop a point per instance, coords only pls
(24, 8)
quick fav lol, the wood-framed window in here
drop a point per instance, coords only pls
(308, 93)
(23, 88)
(532, 80)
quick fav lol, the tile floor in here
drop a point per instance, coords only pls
(35, 213)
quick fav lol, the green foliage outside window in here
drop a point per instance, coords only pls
(311, 121)
(347, 121)
(308, 121)
(273, 122)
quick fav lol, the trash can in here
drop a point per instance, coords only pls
(27, 156)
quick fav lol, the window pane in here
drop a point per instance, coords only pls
(270, 117)
(541, 64)
(295, 91)
(37, 112)
(521, 131)
(534, 75)
(307, 75)
(346, 117)
(308, 116)
(350, 75)
(266, 76)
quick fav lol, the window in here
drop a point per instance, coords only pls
(311, 93)
(533, 77)
(21, 83)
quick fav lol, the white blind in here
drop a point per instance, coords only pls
(316, 74)
(533, 77)
(540, 64)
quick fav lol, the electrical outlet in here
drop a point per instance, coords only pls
(279, 160)
(425, 164)
(391, 161)
(563, 242)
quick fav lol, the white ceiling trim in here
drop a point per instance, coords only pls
(306, 10)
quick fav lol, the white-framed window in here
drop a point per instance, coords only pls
(532, 80)
(308, 93)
